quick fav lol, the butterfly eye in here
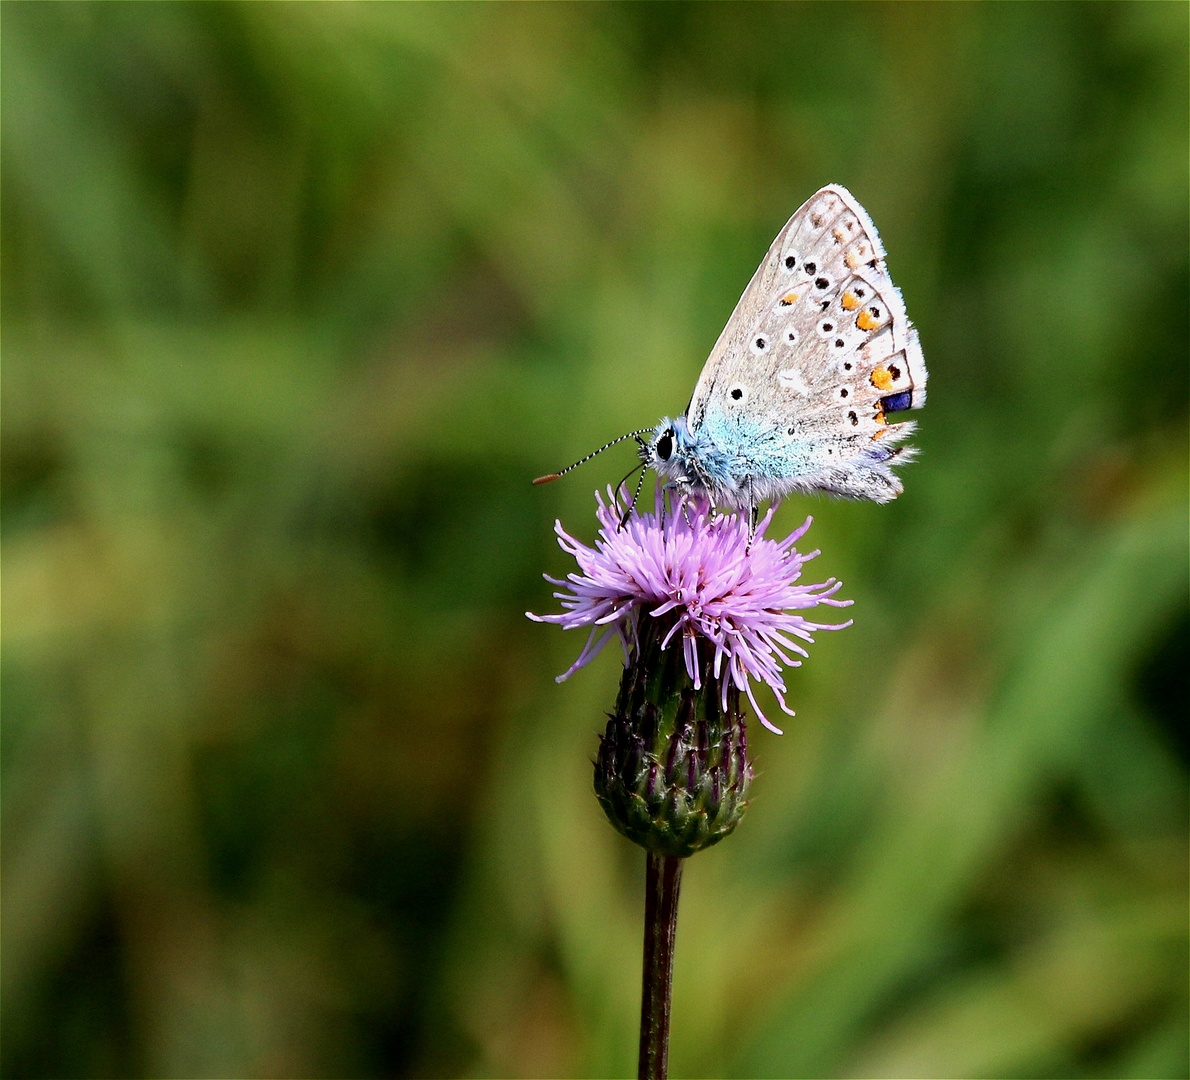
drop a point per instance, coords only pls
(665, 447)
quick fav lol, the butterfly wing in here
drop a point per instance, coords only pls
(816, 356)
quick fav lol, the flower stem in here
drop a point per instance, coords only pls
(663, 878)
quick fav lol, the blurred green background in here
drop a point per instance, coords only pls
(297, 299)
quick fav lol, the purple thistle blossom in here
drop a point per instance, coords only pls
(741, 599)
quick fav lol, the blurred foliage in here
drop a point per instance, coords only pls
(297, 298)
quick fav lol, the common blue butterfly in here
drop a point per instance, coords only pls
(796, 393)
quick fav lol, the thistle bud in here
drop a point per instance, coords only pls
(672, 772)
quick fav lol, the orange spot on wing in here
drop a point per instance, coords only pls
(865, 321)
(882, 378)
(850, 300)
(881, 433)
(879, 417)
(852, 259)
(789, 298)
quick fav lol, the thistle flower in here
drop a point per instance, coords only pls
(704, 608)
(728, 594)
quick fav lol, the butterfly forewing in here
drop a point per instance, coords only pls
(818, 352)
(824, 231)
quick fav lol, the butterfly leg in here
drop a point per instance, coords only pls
(753, 513)
(636, 495)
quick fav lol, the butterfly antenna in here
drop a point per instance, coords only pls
(582, 461)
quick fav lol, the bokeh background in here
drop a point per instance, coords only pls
(297, 299)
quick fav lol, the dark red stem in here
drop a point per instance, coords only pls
(663, 878)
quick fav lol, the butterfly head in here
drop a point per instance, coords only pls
(672, 453)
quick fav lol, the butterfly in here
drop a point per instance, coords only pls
(797, 392)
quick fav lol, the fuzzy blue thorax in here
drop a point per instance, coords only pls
(693, 462)
(736, 463)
